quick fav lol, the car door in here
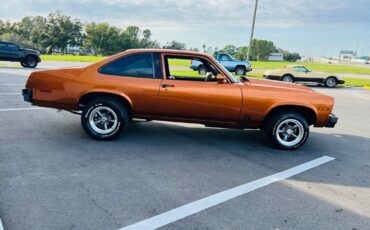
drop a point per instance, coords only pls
(300, 73)
(138, 76)
(2, 51)
(186, 98)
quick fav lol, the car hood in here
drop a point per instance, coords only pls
(31, 51)
(277, 84)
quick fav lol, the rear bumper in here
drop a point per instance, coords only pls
(27, 95)
(333, 120)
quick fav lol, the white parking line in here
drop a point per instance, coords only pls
(218, 198)
(1, 225)
(10, 93)
(12, 84)
(20, 109)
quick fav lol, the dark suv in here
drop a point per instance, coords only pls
(12, 52)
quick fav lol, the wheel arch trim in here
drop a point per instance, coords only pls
(107, 92)
(292, 105)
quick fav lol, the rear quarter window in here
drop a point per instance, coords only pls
(135, 65)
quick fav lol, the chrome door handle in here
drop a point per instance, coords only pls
(167, 85)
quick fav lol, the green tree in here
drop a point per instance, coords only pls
(230, 49)
(6, 27)
(291, 56)
(101, 38)
(61, 30)
(241, 53)
(261, 49)
(146, 41)
(175, 45)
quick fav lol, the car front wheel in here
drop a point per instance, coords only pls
(104, 119)
(240, 71)
(24, 64)
(288, 130)
(202, 70)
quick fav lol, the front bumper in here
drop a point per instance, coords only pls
(333, 120)
(27, 95)
(340, 82)
(271, 77)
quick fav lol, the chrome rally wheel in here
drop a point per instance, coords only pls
(287, 130)
(103, 120)
(290, 132)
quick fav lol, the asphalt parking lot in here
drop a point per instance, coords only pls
(53, 176)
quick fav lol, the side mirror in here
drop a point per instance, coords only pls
(221, 79)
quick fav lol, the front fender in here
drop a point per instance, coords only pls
(291, 103)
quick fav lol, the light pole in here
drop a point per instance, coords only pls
(252, 31)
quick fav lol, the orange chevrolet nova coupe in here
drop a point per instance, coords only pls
(149, 84)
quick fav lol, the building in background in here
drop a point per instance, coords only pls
(276, 57)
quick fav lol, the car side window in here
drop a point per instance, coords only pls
(299, 69)
(225, 57)
(2, 46)
(135, 65)
(190, 69)
(11, 47)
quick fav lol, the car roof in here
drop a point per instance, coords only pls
(9, 43)
(295, 66)
(168, 51)
(161, 51)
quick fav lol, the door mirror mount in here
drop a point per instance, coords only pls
(221, 79)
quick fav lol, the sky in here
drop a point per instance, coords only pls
(310, 27)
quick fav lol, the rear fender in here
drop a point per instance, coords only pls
(107, 91)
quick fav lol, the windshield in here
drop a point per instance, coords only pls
(307, 70)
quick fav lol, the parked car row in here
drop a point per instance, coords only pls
(289, 73)
(11, 52)
(299, 73)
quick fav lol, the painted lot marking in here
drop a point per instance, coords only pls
(218, 198)
(20, 109)
(1, 225)
(11, 84)
(10, 94)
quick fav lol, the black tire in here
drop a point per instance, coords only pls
(31, 62)
(331, 82)
(202, 70)
(24, 64)
(114, 112)
(240, 70)
(287, 78)
(275, 130)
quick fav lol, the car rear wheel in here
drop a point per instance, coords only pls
(240, 70)
(330, 82)
(202, 70)
(287, 130)
(287, 78)
(31, 62)
(104, 119)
